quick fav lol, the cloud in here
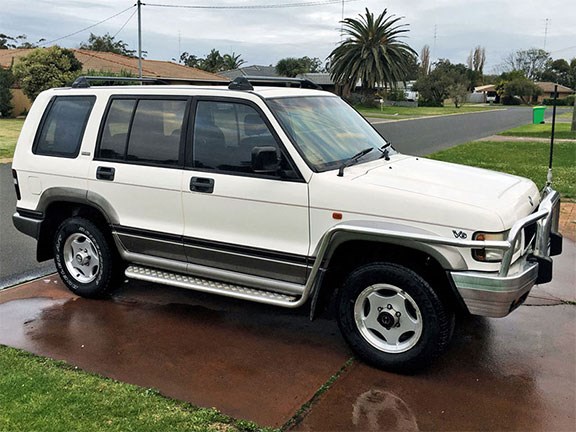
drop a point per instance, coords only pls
(267, 35)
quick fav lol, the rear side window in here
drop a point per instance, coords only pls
(144, 131)
(62, 128)
(115, 132)
(156, 131)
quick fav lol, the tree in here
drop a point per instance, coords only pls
(6, 81)
(425, 60)
(558, 71)
(107, 43)
(446, 80)
(372, 53)
(572, 74)
(531, 62)
(476, 59)
(232, 61)
(515, 84)
(190, 60)
(45, 68)
(5, 41)
(20, 41)
(292, 66)
(214, 62)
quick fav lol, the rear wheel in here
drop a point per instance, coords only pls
(85, 259)
(392, 318)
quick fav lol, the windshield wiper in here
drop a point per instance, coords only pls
(354, 159)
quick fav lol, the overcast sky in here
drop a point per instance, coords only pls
(266, 35)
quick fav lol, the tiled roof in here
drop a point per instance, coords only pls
(320, 78)
(115, 63)
(485, 88)
(254, 70)
(548, 87)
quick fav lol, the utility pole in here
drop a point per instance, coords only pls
(139, 3)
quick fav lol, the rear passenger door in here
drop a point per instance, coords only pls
(235, 218)
(137, 172)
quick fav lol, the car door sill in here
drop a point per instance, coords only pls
(215, 274)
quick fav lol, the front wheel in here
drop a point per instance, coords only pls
(84, 258)
(392, 318)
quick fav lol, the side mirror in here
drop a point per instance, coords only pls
(265, 160)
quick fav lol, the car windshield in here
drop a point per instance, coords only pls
(326, 130)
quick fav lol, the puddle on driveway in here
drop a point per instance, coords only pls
(249, 361)
(515, 373)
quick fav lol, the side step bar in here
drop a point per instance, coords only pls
(210, 286)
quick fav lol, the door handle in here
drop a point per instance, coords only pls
(105, 173)
(202, 184)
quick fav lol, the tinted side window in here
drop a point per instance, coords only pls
(156, 130)
(63, 127)
(225, 134)
(115, 131)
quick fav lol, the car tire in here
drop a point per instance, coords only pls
(392, 318)
(84, 258)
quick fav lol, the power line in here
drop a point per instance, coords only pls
(563, 49)
(87, 28)
(262, 6)
(124, 25)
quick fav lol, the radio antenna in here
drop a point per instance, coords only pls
(549, 176)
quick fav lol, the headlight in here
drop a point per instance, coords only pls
(491, 255)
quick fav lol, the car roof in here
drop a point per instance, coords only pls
(266, 92)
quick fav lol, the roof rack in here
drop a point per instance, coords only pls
(245, 82)
(84, 81)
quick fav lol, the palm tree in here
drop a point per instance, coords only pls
(232, 61)
(372, 52)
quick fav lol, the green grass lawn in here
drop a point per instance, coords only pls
(404, 112)
(9, 131)
(42, 394)
(526, 159)
(562, 130)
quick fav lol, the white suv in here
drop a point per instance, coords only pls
(285, 196)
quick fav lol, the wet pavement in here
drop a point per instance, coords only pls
(513, 374)
(262, 363)
(249, 361)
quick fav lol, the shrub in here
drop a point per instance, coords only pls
(510, 100)
(429, 103)
(567, 101)
(396, 95)
(6, 81)
(45, 68)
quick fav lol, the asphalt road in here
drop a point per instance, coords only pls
(427, 135)
(418, 137)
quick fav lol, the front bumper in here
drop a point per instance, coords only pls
(496, 294)
(491, 295)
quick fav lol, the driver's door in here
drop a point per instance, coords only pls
(236, 219)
